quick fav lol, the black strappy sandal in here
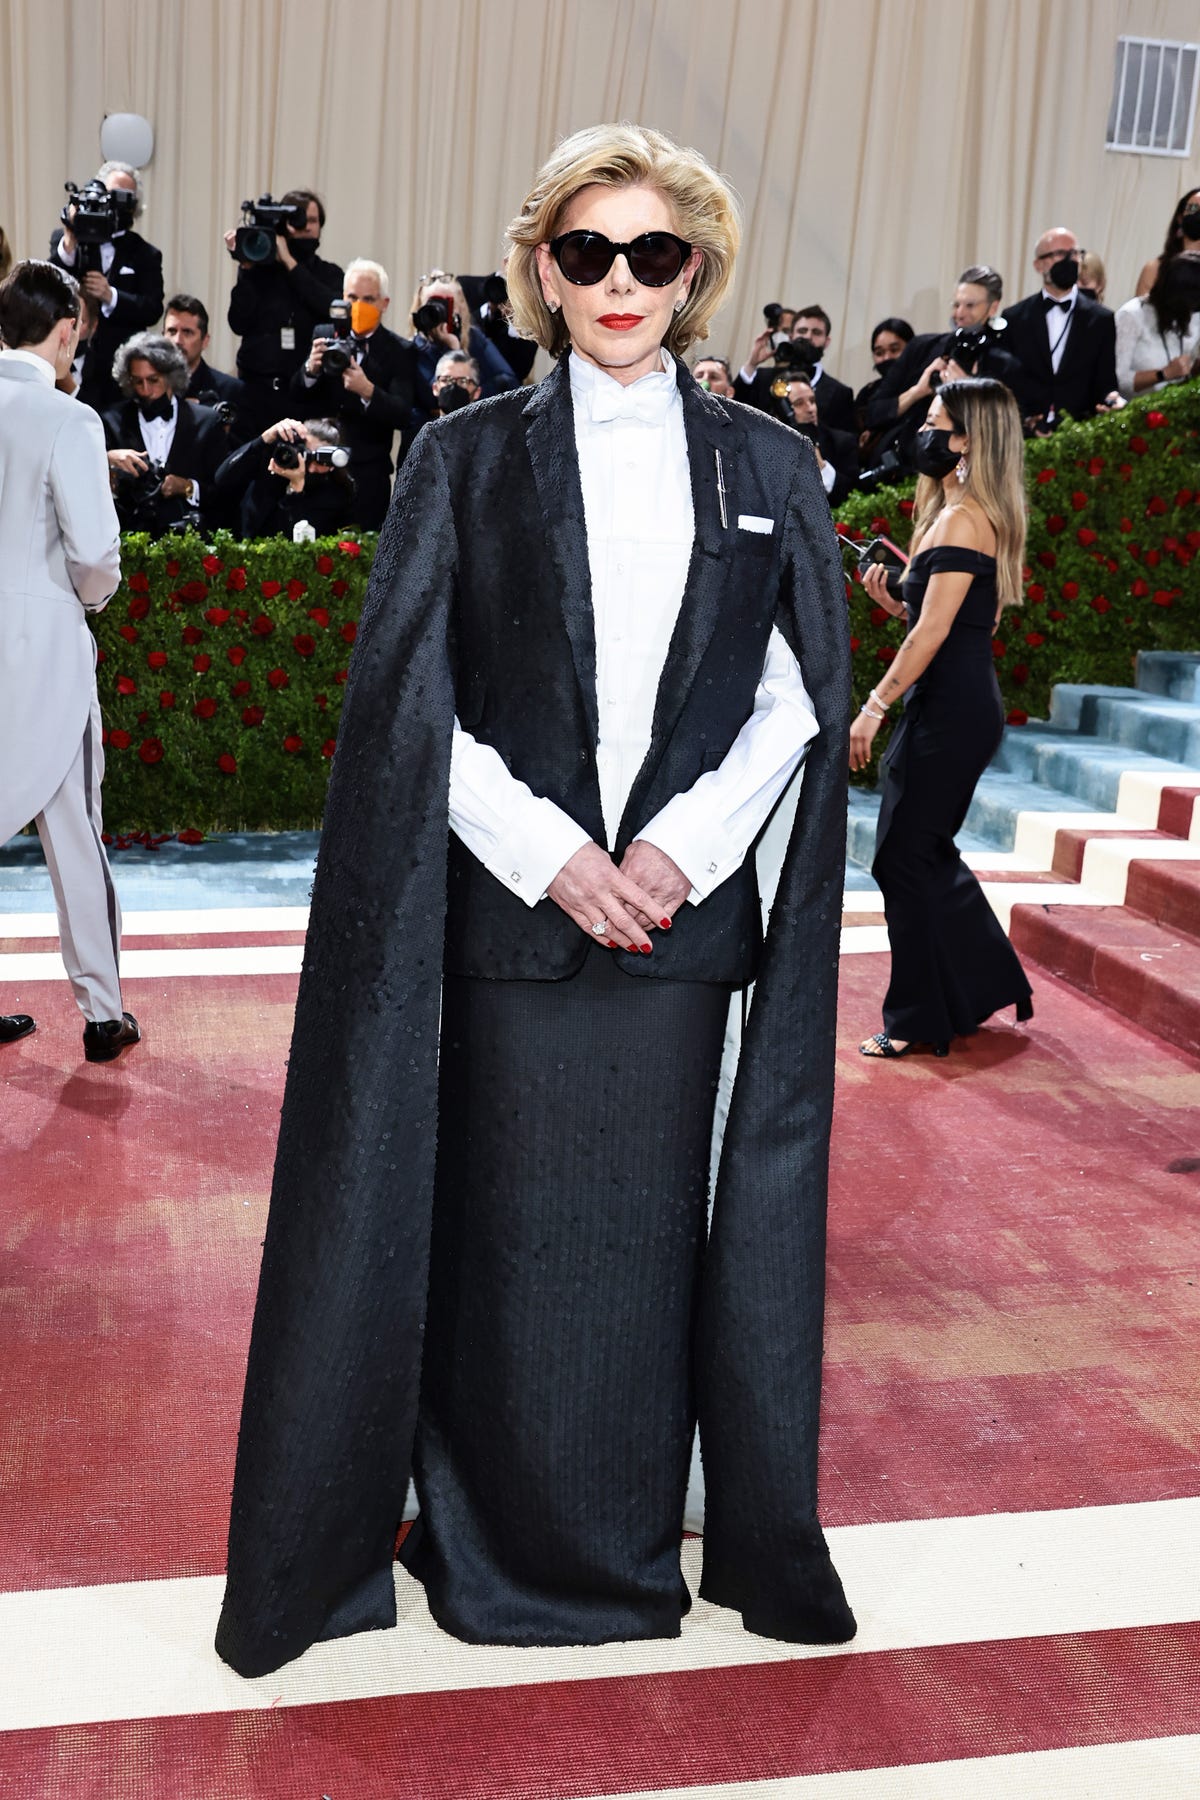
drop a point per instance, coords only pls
(887, 1051)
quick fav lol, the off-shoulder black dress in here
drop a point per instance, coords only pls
(952, 964)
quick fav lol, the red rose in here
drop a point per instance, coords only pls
(341, 675)
(139, 583)
(1100, 604)
(999, 649)
(1055, 523)
(126, 685)
(1140, 588)
(1047, 558)
(1085, 535)
(881, 524)
(269, 589)
(172, 569)
(1045, 475)
(303, 645)
(239, 612)
(1161, 597)
(139, 606)
(339, 588)
(192, 634)
(166, 700)
(157, 659)
(227, 764)
(328, 747)
(205, 707)
(278, 678)
(1070, 590)
(1034, 639)
(202, 663)
(1019, 673)
(855, 644)
(1156, 506)
(236, 654)
(1152, 558)
(296, 587)
(1052, 614)
(128, 632)
(142, 717)
(907, 507)
(1018, 716)
(879, 615)
(120, 740)
(1193, 540)
(349, 631)
(292, 744)
(319, 616)
(101, 656)
(217, 615)
(1096, 465)
(212, 565)
(1184, 497)
(886, 652)
(322, 700)
(253, 715)
(191, 836)
(349, 548)
(262, 626)
(239, 688)
(236, 580)
(194, 590)
(324, 564)
(1156, 420)
(151, 750)
(1139, 446)
(1035, 592)
(1125, 525)
(1079, 500)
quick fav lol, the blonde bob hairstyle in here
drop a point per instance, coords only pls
(985, 412)
(704, 207)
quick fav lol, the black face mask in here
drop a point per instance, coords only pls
(1064, 273)
(304, 249)
(881, 368)
(1189, 225)
(932, 453)
(155, 409)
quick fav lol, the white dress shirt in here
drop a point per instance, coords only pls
(634, 472)
(108, 256)
(158, 435)
(1058, 323)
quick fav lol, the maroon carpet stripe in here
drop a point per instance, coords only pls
(574, 1739)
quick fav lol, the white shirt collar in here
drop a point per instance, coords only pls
(590, 384)
(34, 361)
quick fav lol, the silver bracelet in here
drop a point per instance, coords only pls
(879, 701)
(871, 714)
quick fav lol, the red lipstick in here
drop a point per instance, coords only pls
(620, 321)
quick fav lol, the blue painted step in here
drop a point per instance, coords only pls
(1175, 673)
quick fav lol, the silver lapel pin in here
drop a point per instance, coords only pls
(721, 491)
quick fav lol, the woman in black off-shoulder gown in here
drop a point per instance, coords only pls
(952, 963)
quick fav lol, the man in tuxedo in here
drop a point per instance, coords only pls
(836, 451)
(811, 332)
(60, 559)
(128, 288)
(372, 398)
(186, 324)
(274, 307)
(154, 423)
(1064, 340)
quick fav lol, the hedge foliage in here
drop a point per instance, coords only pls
(223, 663)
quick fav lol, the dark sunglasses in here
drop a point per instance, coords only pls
(655, 258)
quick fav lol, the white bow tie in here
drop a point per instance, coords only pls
(648, 400)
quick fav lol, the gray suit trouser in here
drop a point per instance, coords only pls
(89, 916)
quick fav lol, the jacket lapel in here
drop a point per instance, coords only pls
(179, 457)
(550, 437)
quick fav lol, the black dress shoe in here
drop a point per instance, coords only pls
(14, 1026)
(105, 1038)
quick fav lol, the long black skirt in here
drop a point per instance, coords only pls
(557, 1412)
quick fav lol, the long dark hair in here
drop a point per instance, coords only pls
(1174, 241)
(1172, 310)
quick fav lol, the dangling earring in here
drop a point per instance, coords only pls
(962, 470)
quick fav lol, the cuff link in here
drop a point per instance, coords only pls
(515, 876)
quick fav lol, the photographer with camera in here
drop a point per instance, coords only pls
(282, 292)
(836, 451)
(443, 322)
(487, 297)
(294, 473)
(976, 344)
(173, 449)
(364, 376)
(774, 357)
(114, 265)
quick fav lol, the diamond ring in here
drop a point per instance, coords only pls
(600, 927)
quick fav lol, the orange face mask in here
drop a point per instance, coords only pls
(364, 317)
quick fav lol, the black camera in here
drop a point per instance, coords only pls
(95, 214)
(969, 344)
(263, 220)
(287, 455)
(772, 313)
(435, 312)
(494, 290)
(886, 472)
(341, 344)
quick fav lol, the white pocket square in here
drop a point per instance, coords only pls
(751, 522)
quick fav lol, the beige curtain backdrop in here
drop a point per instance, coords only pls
(879, 146)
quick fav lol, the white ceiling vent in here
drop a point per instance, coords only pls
(1154, 97)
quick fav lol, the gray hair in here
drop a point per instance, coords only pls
(160, 353)
(123, 168)
(456, 359)
(371, 268)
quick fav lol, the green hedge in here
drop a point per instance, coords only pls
(222, 664)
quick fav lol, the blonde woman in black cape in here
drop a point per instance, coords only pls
(952, 965)
(605, 625)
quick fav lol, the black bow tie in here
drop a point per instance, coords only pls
(155, 409)
(1062, 305)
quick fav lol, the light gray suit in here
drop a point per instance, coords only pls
(60, 558)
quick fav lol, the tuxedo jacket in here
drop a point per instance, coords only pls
(369, 428)
(840, 450)
(198, 449)
(1087, 373)
(835, 401)
(136, 279)
(205, 380)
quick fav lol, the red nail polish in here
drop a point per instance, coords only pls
(665, 923)
(647, 949)
(613, 946)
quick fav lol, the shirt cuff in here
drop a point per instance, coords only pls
(193, 499)
(110, 306)
(696, 843)
(746, 375)
(536, 843)
(828, 476)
